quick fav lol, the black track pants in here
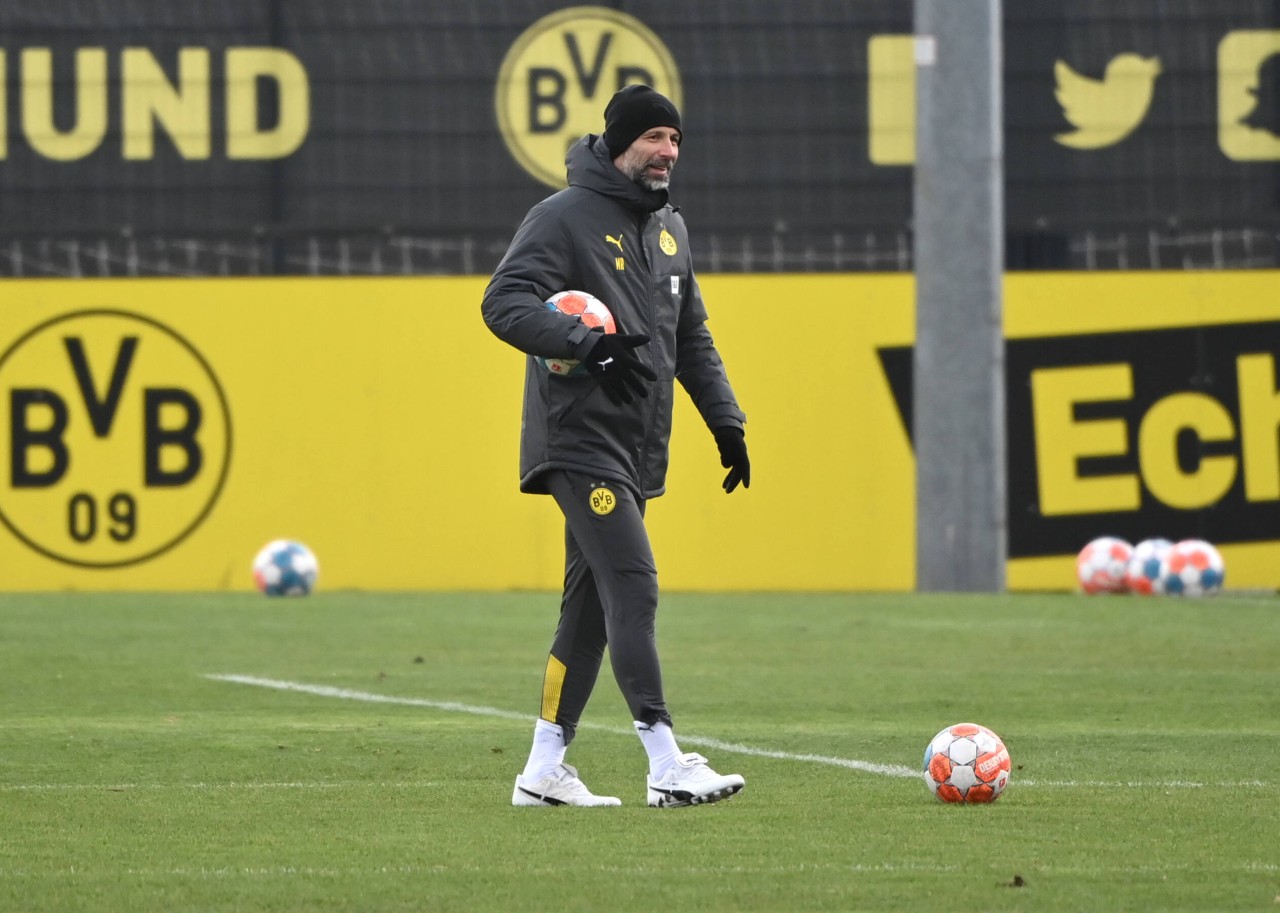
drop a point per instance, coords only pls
(610, 598)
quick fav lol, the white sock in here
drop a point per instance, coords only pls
(660, 742)
(547, 752)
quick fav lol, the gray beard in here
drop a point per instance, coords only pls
(648, 183)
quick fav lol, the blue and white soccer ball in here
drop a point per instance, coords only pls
(285, 568)
(1142, 576)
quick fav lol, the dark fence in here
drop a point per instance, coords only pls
(1172, 161)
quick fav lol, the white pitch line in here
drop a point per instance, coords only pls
(229, 786)
(888, 770)
(374, 870)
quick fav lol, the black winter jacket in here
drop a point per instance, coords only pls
(606, 235)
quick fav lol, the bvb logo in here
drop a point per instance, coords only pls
(118, 437)
(556, 79)
(603, 501)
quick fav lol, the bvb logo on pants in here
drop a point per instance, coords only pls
(602, 501)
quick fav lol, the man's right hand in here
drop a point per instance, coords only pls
(621, 372)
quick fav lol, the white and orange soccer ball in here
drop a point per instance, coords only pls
(1101, 565)
(1142, 576)
(1192, 567)
(966, 763)
(591, 311)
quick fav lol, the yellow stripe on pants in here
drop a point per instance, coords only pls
(552, 682)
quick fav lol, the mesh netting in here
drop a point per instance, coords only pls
(404, 169)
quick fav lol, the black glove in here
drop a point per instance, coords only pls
(621, 372)
(733, 456)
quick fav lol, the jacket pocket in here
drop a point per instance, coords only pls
(567, 404)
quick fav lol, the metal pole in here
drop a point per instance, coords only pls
(958, 383)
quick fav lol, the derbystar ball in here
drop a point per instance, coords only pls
(1192, 567)
(285, 568)
(966, 763)
(1101, 565)
(1142, 575)
(591, 311)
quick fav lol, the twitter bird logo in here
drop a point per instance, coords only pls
(1105, 111)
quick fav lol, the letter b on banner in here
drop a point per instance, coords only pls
(117, 437)
(558, 76)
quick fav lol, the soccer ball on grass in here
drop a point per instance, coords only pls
(285, 568)
(591, 311)
(1142, 576)
(1192, 567)
(966, 763)
(1101, 565)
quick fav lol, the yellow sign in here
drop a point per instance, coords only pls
(148, 100)
(1248, 122)
(891, 99)
(557, 78)
(118, 396)
(668, 243)
(119, 438)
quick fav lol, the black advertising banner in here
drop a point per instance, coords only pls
(262, 136)
(1158, 121)
(1167, 431)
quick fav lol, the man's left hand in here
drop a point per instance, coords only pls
(732, 443)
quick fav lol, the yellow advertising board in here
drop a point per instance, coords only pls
(155, 433)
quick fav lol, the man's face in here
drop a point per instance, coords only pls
(650, 160)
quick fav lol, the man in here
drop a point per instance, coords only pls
(598, 443)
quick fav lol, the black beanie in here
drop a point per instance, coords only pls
(632, 111)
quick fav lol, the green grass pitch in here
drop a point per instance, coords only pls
(1144, 735)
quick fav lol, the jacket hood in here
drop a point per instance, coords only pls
(590, 166)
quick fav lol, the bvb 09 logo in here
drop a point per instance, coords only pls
(558, 76)
(117, 434)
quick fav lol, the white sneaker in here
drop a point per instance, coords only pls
(691, 782)
(561, 787)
